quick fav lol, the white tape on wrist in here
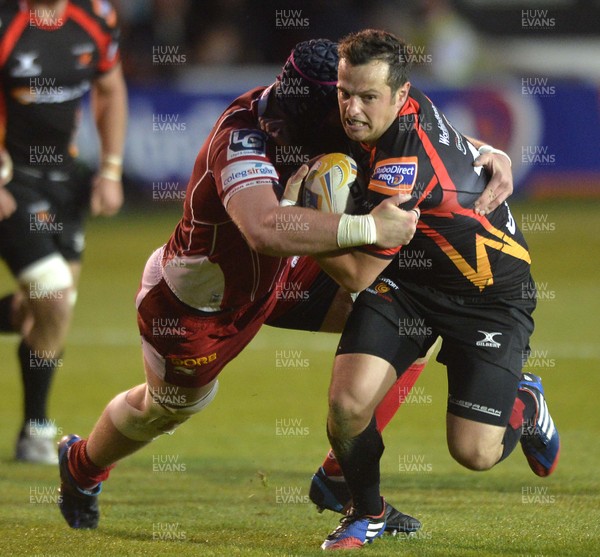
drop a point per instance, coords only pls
(356, 230)
(115, 160)
(484, 149)
(286, 203)
(110, 174)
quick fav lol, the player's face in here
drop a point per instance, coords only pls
(367, 105)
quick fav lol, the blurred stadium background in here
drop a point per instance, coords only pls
(525, 77)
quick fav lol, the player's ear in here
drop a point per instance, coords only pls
(402, 94)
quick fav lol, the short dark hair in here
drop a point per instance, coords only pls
(373, 44)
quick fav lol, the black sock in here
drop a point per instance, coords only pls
(6, 325)
(37, 370)
(359, 459)
(522, 416)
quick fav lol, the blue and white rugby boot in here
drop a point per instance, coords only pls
(333, 495)
(355, 531)
(540, 440)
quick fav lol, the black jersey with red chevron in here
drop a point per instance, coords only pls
(454, 249)
(48, 61)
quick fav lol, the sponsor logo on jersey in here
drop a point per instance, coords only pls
(382, 288)
(248, 173)
(394, 176)
(26, 65)
(246, 142)
(44, 94)
(444, 136)
(84, 54)
(188, 366)
(488, 340)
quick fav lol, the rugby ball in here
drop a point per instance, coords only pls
(327, 185)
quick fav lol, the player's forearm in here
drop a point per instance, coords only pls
(352, 270)
(295, 231)
(109, 102)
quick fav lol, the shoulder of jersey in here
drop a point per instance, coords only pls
(101, 10)
(8, 11)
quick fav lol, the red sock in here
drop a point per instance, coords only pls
(396, 396)
(85, 473)
(384, 412)
(331, 465)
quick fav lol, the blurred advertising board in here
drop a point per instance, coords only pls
(551, 129)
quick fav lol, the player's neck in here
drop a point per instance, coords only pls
(56, 6)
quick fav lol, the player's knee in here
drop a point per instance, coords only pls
(159, 413)
(48, 284)
(349, 412)
(473, 455)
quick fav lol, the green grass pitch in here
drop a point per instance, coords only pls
(229, 482)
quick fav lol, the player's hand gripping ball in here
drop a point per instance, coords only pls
(327, 185)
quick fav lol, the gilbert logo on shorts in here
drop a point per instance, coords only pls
(187, 366)
(394, 176)
(488, 340)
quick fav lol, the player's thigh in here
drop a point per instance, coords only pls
(29, 234)
(170, 394)
(187, 347)
(373, 328)
(481, 397)
(478, 390)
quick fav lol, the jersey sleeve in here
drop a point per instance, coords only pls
(109, 38)
(104, 29)
(240, 162)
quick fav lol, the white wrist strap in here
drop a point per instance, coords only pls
(484, 149)
(356, 230)
(286, 203)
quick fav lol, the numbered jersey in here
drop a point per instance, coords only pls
(454, 249)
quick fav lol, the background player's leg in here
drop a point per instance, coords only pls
(44, 312)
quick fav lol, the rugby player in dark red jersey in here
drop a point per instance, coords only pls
(221, 274)
(475, 292)
(51, 54)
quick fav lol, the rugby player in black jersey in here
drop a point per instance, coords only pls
(475, 290)
(51, 54)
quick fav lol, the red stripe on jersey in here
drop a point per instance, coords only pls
(449, 204)
(3, 118)
(100, 37)
(14, 31)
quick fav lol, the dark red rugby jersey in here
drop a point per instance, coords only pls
(454, 249)
(47, 64)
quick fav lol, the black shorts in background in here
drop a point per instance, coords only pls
(51, 209)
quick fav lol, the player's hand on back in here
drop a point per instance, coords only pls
(395, 226)
(500, 186)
